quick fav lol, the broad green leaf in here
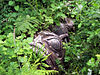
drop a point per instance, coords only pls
(11, 3)
(79, 26)
(16, 7)
(98, 56)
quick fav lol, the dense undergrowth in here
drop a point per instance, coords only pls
(20, 19)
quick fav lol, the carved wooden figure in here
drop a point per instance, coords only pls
(53, 42)
(53, 45)
(65, 26)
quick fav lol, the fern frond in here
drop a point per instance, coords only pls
(23, 24)
(40, 72)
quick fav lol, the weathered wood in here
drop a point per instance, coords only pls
(53, 45)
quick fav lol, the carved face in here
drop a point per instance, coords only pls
(68, 24)
(53, 45)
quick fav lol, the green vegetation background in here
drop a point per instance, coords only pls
(20, 19)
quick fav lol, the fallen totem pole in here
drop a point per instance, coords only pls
(53, 42)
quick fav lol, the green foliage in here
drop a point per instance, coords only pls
(35, 15)
(85, 42)
(23, 18)
(24, 24)
(28, 16)
(16, 57)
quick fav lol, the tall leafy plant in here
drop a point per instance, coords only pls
(17, 57)
(84, 43)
